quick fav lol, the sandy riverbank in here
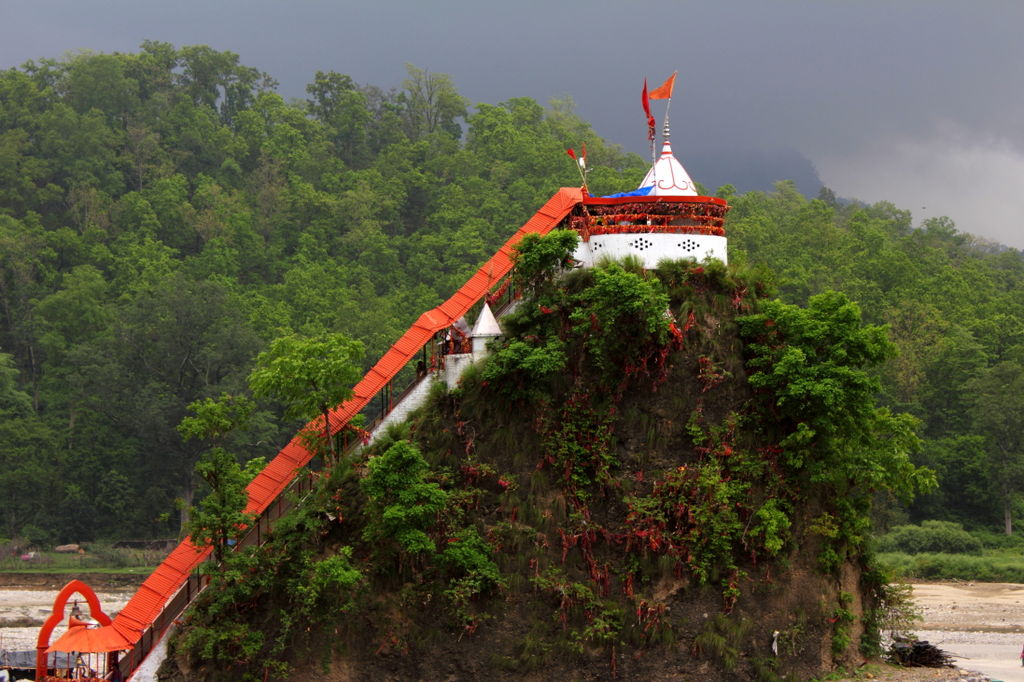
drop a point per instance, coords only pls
(982, 624)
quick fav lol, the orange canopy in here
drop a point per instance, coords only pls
(80, 638)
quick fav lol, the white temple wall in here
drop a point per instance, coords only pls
(454, 366)
(652, 247)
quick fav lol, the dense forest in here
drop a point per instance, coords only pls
(164, 215)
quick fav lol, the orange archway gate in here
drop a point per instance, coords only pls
(57, 615)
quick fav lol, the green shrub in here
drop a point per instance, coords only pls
(930, 536)
(538, 259)
(721, 640)
(521, 370)
(326, 581)
(38, 537)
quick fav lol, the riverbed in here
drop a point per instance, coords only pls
(23, 611)
(981, 624)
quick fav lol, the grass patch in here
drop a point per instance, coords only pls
(98, 559)
(996, 566)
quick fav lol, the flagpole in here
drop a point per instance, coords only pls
(665, 134)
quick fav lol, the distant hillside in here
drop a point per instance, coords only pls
(165, 214)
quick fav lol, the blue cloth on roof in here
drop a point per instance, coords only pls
(639, 192)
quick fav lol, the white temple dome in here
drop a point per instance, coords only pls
(667, 177)
(486, 325)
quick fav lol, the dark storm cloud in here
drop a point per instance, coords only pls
(917, 102)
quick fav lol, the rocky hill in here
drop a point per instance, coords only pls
(656, 475)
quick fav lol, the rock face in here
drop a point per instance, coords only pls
(617, 492)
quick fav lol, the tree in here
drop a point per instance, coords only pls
(998, 415)
(176, 340)
(809, 366)
(220, 518)
(28, 473)
(539, 259)
(310, 375)
(339, 104)
(432, 104)
(213, 78)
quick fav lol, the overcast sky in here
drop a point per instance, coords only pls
(919, 102)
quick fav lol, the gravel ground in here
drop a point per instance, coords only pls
(980, 624)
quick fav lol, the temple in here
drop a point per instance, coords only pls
(664, 219)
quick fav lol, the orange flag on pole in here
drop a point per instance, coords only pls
(665, 90)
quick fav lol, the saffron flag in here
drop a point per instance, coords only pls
(665, 91)
(645, 99)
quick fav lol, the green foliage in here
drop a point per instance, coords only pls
(325, 580)
(214, 419)
(809, 366)
(693, 515)
(229, 642)
(842, 619)
(771, 524)
(467, 557)
(929, 537)
(539, 259)
(309, 587)
(722, 640)
(404, 505)
(468, 553)
(577, 445)
(219, 519)
(307, 374)
(603, 620)
(998, 567)
(310, 375)
(619, 317)
(952, 308)
(523, 370)
(997, 411)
